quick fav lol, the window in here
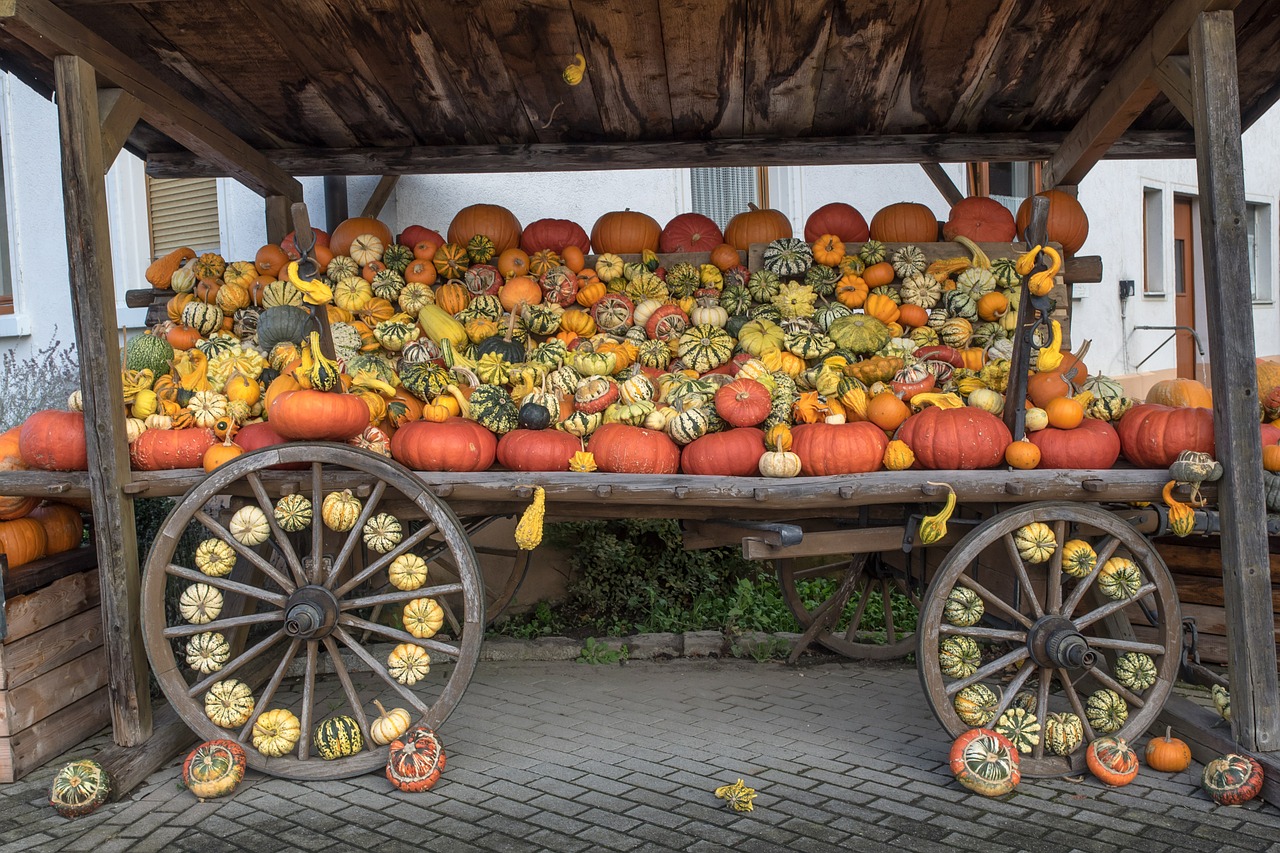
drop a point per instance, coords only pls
(1258, 226)
(1153, 242)
(723, 193)
(183, 212)
(6, 282)
(1007, 183)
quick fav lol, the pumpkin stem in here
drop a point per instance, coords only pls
(1168, 733)
(511, 324)
(382, 712)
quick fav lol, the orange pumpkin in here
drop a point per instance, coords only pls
(1068, 224)
(1181, 393)
(756, 226)
(887, 411)
(573, 258)
(513, 262)
(993, 305)
(980, 219)
(725, 257)
(625, 232)
(452, 296)
(182, 337)
(852, 290)
(491, 220)
(904, 222)
(421, 272)
(1022, 454)
(882, 307)
(173, 308)
(519, 291)
(22, 540)
(349, 229)
(270, 259)
(878, 275)
(63, 527)
(1064, 413)
(912, 316)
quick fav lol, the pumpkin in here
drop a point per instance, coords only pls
(1023, 455)
(1106, 711)
(985, 762)
(1112, 761)
(408, 663)
(839, 219)
(1152, 436)
(166, 449)
(743, 403)
(904, 222)
(415, 761)
(249, 526)
(52, 440)
(849, 448)
(537, 449)
(623, 449)
(898, 456)
(1232, 779)
(389, 725)
(625, 232)
(1180, 393)
(200, 603)
(787, 256)
(1063, 733)
(423, 617)
(963, 607)
(275, 732)
(215, 558)
(981, 219)
(407, 572)
(456, 444)
(346, 234)
(959, 656)
(310, 415)
(1078, 558)
(79, 788)
(553, 234)
(779, 463)
(1168, 754)
(1119, 578)
(338, 737)
(976, 704)
(690, 232)
(229, 703)
(207, 652)
(861, 334)
(1136, 670)
(63, 526)
(959, 438)
(490, 220)
(340, 510)
(1035, 542)
(756, 226)
(382, 532)
(293, 512)
(1021, 727)
(732, 453)
(214, 769)
(1067, 223)
(1093, 444)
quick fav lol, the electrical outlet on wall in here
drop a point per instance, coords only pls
(1126, 288)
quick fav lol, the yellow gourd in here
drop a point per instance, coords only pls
(934, 527)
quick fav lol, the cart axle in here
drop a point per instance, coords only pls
(1054, 642)
(310, 613)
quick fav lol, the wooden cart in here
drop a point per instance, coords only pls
(736, 84)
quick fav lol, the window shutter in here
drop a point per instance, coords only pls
(723, 193)
(184, 212)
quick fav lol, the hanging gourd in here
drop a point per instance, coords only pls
(407, 572)
(1078, 558)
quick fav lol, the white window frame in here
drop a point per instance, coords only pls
(1156, 254)
(1262, 269)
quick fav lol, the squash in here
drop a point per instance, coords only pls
(293, 512)
(340, 510)
(79, 788)
(788, 257)
(1035, 542)
(423, 617)
(200, 603)
(1112, 760)
(415, 761)
(207, 652)
(407, 572)
(1232, 779)
(1168, 754)
(1063, 733)
(53, 440)
(1106, 711)
(229, 703)
(215, 558)
(1067, 225)
(1021, 728)
(389, 725)
(955, 438)
(976, 704)
(408, 663)
(214, 769)
(959, 656)
(1078, 558)
(382, 532)
(275, 732)
(756, 226)
(1119, 578)
(249, 526)
(985, 762)
(1136, 670)
(963, 608)
(338, 737)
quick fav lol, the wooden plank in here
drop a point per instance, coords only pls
(1174, 78)
(628, 73)
(120, 112)
(53, 32)
(1200, 590)
(381, 193)
(277, 213)
(869, 541)
(1126, 96)
(27, 750)
(62, 599)
(1245, 558)
(94, 309)
(588, 156)
(23, 706)
(129, 767)
(1207, 561)
(943, 182)
(1209, 737)
(704, 46)
(31, 576)
(858, 31)
(782, 80)
(36, 654)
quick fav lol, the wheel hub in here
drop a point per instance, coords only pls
(310, 613)
(1054, 642)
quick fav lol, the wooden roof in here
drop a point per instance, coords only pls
(394, 86)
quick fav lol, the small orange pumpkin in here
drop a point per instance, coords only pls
(725, 257)
(1022, 454)
(878, 275)
(518, 291)
(1064, 413)
(1168, 754)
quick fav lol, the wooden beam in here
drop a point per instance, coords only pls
(93, 303)
(120, 112)
(1245, 559)
(382, 192)
(51, 32)
(1174, 78)
(1126, 96)
(277, 212)
(557, 157)
(943, 182)
(1209, 737)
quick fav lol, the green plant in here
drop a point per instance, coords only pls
(595, 652)
(769, 648)
(42, 380)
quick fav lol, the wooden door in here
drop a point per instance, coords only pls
(1184, 285)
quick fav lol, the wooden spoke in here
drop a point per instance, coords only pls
(1053, 580)
(385, 560)
(1125, 693)
(306, 718)
(279, 538)
(317, 523)
(1020, 569)
(1015, 684)
(248, 553)
(988, 670)
(378, 667)
(269, 692)
(890, 635)
(223, 624)
(1111, 607)
(1126, 645)
(1082, 586)
(1042, 708)
(864, 595)
(983, 633)
(399, 596)
(398, 635)
(989, 597)
(231, 666)
(450, 618)
(227, 585)
(348, 688)
(1076, 705)
(821, 571)
(356, 534)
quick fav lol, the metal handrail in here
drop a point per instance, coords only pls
(1174, 329)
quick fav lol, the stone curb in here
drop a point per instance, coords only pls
(690, 644)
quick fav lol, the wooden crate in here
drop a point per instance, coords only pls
(53, 666)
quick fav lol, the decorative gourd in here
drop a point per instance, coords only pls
(229, 703)
(732, 453)
(423, 617)
(1106, 711)
(1119, 578)
(788, 256)
(1168, 754)
(79, 788)
(861, 334)
(338, 737)
(705, 347)
(408, 663)
(389, 725)
(493, 408)
(1021, 728)
(53, 440)
(293, 512)
(1063, 733)
(976, 704)
(382, 532)
(415, 761)
(898, 456)
(1112, 760)
(249, 526)
(207, 652)
(1232, 779)
(1078, 558)
(215, 558)
(959, 438)
(214, 769)
(1136, 670)
(985, 762)
(1036, 542)
(275, 732)
(340, 510)
(959, 656)
(407, 572)
(963, 607)
(200, 603)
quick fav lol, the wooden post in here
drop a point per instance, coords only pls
(277, 218)
(1246, 567)
(93, 302)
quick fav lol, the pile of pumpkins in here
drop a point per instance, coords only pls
(845, 351)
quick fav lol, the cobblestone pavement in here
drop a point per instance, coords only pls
(572, 757)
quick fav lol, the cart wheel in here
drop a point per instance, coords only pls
(502, 570)
(1048, 638)
(302, 632)
(848, 628)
